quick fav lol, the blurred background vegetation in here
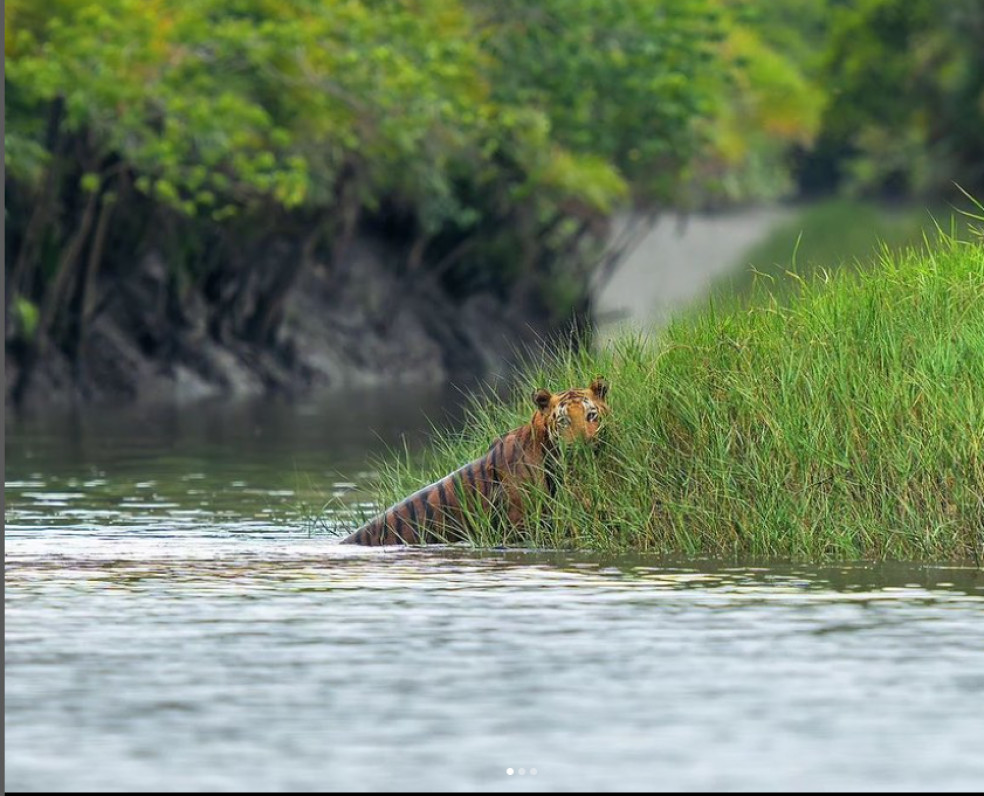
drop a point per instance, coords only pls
(493, 141)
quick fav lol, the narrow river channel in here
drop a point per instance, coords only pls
(177, 619)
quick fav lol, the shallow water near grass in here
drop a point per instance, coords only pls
(175, 620)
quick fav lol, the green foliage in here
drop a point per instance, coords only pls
(219, 104)
(769, 99)
(215, 104)
(846, 423)
(906, 86)
(149, 83)
(840, 233)
(236, 117)
(25, 317)
(494, 140)
(621, 81)
(25, 158)
(875, 97)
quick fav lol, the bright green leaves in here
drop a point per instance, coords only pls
(157, 87)
(89, 182)
(770, 97)
(26, 316)
(625, 82)
(437, 101)
(25, 157)
(275, 98)
(597, 182)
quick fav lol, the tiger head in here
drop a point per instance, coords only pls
(571, 415)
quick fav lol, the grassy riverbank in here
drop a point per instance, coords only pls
(838, 233)
(845, 422)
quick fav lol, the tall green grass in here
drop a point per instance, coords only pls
(845, 422)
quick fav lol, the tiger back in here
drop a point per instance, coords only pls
(493, 483)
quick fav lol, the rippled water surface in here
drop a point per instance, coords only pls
(175, 620)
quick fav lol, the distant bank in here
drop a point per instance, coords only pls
(676, 261)
(370, 328)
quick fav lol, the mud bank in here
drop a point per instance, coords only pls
(370, 328)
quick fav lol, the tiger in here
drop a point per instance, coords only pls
(495, 481)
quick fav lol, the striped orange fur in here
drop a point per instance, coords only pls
(494, 482)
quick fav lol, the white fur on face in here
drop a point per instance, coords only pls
(561, 416)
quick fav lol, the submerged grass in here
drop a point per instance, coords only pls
(844, 422)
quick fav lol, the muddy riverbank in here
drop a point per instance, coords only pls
(675, 263)
(374, 327)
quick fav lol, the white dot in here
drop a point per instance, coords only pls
(509, 771)
(522, 771)
(533, 771)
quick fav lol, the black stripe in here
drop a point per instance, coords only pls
(428, 514)
(515, 451)
(480, 475)
(466, 495)
(469, 475)
(551, 481)
(398, 526)
(412, 516)
(378, 530)
(387, 528)
(444, 510)
(493, 458)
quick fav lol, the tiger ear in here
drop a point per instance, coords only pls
(541, 398)
(599, 387)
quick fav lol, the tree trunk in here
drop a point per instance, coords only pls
(269, 310)
(452, 258)
(622, 245)
(348, 208)
(55, 298)
(416, 255)
(87, 294)
(54, 142)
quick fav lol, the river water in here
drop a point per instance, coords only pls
(177, 619)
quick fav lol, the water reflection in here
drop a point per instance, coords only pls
(214, 468)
